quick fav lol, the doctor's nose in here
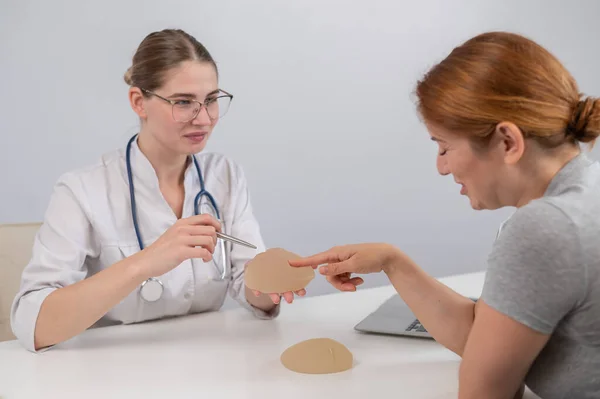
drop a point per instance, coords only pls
(202, 118)
(442, 165)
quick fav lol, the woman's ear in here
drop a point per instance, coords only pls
(511, 141)
(136, 99)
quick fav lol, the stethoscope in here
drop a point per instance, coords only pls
(152, 289)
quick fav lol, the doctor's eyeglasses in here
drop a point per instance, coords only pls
(186, 109)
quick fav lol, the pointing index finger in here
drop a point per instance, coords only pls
(315, 260)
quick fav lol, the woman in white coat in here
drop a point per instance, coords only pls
(130, 238)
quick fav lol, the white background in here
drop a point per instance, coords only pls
(323, 119)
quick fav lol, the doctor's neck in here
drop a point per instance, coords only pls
(168, 165)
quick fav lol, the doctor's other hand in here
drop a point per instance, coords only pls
(192, 237)
(276, 297)
(341, 262)
(288, 296)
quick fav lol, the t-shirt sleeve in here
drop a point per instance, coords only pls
(535, 273)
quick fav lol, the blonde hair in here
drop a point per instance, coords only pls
(161, 51)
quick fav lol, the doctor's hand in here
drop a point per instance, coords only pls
(342, 261)
(192, 237)
(276, 297)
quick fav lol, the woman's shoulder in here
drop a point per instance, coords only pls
(571, 211)
(540, 232)
(543, 218)
(92, 173)
(539, 237)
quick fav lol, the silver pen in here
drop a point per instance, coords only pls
(234, 240)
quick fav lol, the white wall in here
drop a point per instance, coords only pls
(323, 120)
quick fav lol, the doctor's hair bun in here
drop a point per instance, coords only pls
(127, 77)
(584, 125)
(161, 51)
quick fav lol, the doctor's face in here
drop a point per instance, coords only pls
(477, 172)
(169, 124)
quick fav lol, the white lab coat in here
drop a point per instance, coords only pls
(88, 227)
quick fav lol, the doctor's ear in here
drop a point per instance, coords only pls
(136, 99)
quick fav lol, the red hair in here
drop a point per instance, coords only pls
(499, 76)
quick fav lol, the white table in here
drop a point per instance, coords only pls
(230, 354)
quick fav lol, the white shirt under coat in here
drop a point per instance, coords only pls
(88, 227)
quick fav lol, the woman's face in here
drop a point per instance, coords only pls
(478, 173)
(191, 80)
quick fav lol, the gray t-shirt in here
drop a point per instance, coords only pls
(544, 271)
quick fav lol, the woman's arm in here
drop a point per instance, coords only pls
(447, 315)
(497, 356)
(58, 300)
(496, 350)
(60, 249)
(536, 276)
(68, 311)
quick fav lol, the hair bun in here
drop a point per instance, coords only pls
(127, 76)
(584, 125)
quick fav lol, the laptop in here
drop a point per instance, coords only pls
(394, 317)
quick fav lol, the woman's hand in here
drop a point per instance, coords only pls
(192, 237)
(341, 261)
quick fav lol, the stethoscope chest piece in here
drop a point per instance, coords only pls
(151, 289)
